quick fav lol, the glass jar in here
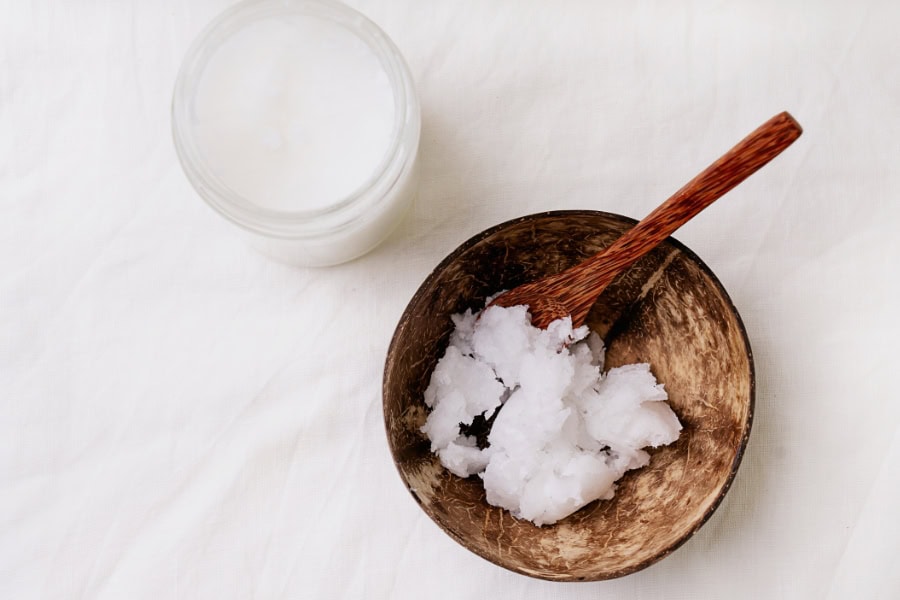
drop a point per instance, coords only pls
(319, 235)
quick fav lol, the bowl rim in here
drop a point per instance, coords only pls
(735, 463)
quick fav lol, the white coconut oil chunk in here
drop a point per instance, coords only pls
(293, 113)
(565, 431)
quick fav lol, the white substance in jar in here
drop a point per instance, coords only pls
(294, 113)
(564, 433)
(297, 120)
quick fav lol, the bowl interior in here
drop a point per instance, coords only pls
(668, 310)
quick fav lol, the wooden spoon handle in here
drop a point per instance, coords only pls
(751, 153)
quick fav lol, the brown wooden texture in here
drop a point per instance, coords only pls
(668, 309)
(575, 290)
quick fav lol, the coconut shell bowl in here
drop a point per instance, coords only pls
(667, 309)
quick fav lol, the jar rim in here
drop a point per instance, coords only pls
(299, 223)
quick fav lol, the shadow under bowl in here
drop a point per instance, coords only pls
(669, 310)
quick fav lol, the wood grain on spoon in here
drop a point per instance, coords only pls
(574, 291)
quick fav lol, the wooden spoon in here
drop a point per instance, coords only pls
(574, 291)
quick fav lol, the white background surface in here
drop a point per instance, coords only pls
(181, 418)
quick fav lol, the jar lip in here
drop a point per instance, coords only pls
(302, 222)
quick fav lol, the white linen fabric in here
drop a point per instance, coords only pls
(183, 418)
